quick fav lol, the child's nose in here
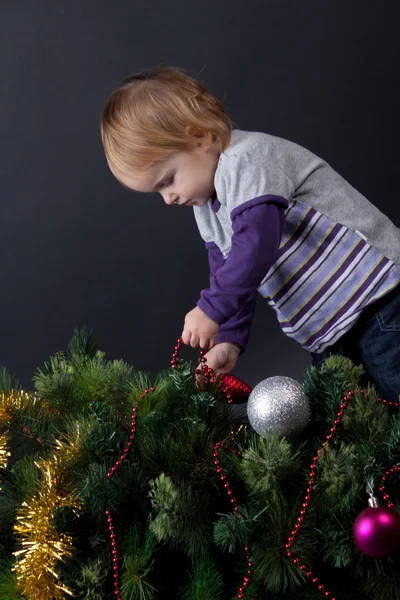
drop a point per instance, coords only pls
(171, 198)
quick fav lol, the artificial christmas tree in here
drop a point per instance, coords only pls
(114, 485)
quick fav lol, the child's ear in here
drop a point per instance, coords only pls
(193, 132)
(204, 137)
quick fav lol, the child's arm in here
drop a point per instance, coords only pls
(200, 330)
(256, 189)
(257, 233)
(235, 330)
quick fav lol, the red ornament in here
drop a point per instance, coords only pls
(238, 389)
(376, 531)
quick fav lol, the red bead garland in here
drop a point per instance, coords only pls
(310, 486)
(109, 475)
(217, 447)
(209, 377)
(382, 489)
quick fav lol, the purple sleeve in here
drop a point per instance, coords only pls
(257, 231)
(237, 328)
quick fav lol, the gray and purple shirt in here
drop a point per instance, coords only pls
(282, 222)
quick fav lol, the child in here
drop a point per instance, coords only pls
(276, 219)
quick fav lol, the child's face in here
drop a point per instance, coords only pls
(184, 178)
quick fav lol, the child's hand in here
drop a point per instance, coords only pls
(199, 330)
(222, 358)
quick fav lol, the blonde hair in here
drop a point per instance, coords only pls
(153, 113)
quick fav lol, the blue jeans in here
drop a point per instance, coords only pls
(374, 341)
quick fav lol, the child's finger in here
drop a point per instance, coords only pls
(186, 335)
(204, 343)
(194, 340)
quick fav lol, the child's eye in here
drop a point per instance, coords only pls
(167, 183)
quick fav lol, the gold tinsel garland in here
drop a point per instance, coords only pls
(4, 453)
(42, 546)
(12, 403)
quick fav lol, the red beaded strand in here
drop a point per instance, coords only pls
(387, 402)
(109, 475)
(382, 488)
(210, 377)
(310, 486)
(175, 356)
(206, 371)
(217, 447)
(175, 362)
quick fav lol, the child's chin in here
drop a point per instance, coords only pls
(199, 202)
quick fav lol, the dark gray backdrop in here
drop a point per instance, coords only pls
(76, 248)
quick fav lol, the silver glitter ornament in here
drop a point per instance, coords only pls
(278, 405)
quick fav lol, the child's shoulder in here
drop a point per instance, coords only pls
(247, 142)
(252, 146)
(253, 162)
(262, 155)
